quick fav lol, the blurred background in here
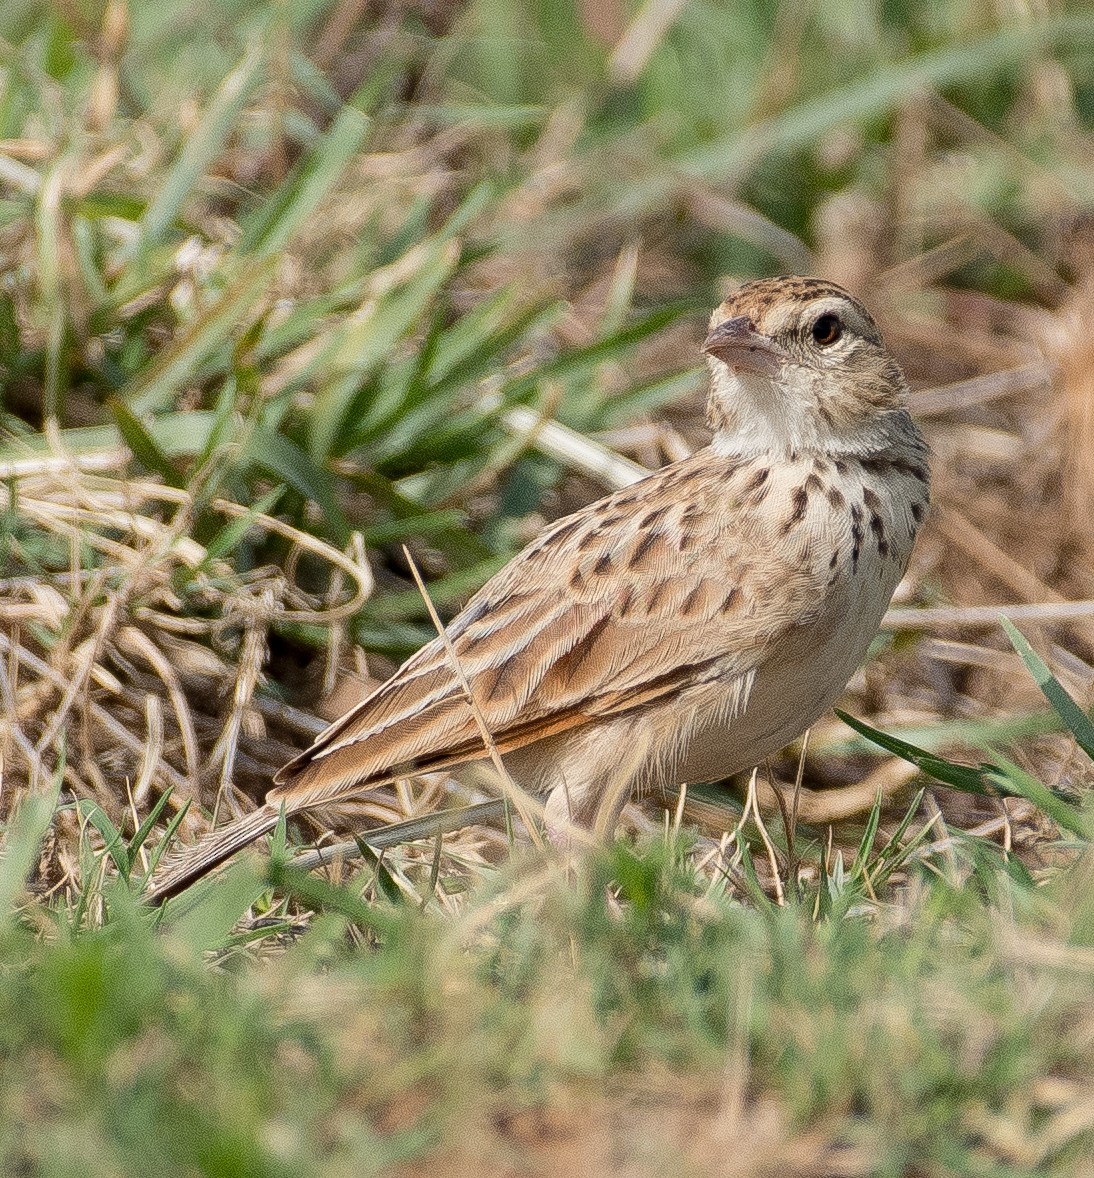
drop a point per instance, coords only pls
(284, 287)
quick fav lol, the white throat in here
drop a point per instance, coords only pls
(763, 415)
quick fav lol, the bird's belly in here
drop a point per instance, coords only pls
(794, 686)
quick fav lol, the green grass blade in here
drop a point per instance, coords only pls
(145, 828)
(893, 844)
(287, 461)
(318, 893)
(1073, 716)
(877, 93)
(112, 837)
(1003, 779)
(49, 234)
(161, 848)
(475, 346)
(22, 839)
(938, 735)
(230, 535)
(866, 843)
(179, 363)
(368, 340)
(896, 853)
(578, 362)
(299, 196)
(646, 398)
(145, 448)
(203, 917)
(961, 777)
(383, 877)
(174, 434)
(201, 148)
(1014, 781)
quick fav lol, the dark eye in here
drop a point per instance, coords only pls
(827, 330)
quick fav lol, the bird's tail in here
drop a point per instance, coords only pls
(181, 870)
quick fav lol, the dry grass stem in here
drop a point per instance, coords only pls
(943, 617)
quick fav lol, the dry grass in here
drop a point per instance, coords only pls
(140, 669)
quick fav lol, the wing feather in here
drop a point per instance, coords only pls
(612, 608)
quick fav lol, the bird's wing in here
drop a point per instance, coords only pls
(611, 608)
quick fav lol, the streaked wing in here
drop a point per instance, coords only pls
(609, 609)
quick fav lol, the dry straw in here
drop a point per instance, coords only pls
(131, 657)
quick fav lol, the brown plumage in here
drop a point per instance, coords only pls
(685, 626)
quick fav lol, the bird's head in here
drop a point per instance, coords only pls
(798, 365)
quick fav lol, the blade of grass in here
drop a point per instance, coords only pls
(1073, 716)
(21, 842)
(896, 853)
(286, 461)
(203, 918)
(810, 121)
(369, 339)
(114, 843)
(49, 231)
(949, 733)
(230, 535)
(961, 777)
(866, 843)
(161, 847)
(143, 444)
(179, 363)
(201, 148)
(578, 362)
(1013, 780)
(314, 892)
(645, 398)
(283, 214)
(385, 881)
(1004, 779)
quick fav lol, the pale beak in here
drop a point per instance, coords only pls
(739, 346)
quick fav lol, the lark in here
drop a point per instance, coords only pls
(680, 629)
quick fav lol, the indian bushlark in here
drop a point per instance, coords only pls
(680, 629)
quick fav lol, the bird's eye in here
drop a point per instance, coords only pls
(827, 330)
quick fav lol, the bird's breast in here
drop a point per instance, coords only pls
(843, 538)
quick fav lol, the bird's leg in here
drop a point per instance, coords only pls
(592, 790)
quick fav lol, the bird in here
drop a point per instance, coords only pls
(680, 629)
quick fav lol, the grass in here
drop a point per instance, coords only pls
(284, 288)
(397, 1037)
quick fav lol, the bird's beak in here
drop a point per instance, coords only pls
(739, 346)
